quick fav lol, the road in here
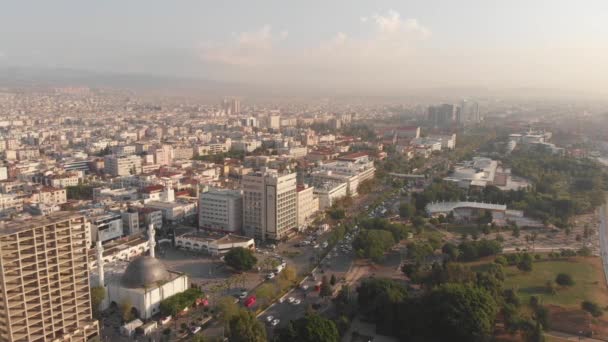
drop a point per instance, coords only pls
(604, 238)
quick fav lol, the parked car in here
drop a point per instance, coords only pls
(270, 276)
(243, 295)
(269, 318)
(194, 330)
(275, 322)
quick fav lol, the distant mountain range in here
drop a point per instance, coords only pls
(20, 77)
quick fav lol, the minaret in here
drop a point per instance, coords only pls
(151, 241)
(100, 265)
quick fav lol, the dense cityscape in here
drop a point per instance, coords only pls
(399, 181)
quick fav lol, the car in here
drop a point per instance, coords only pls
(194, 330)
(281, 300)
(291, 299)
(297, 302)
(304, 287)
(165, 320)
(275, 322)
(270, 276)
(243, 295)
(269, 318)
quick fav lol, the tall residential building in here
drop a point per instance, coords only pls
(44, 290)
(308, 204)
(443, 115)
(231, 106)
(221, 209)
(269, 204)
(122, 165)
(469, 112)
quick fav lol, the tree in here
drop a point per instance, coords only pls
(593, 308)
(406, 210)
(227, 308)
(310, 328)
(98, 294)
(244, 327)
(265, 292)
(373, 243)
(379, 300)
(241, 259)
(525, 264)
(325, 287)
(418, 221)
(451, 251)
(564, 279)
(467, 313)
(126, 310)
(550, 287)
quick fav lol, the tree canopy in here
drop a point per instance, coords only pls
(241, 259)
(245, 327)
(310, 328)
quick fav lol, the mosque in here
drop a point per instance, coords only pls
(141, 283)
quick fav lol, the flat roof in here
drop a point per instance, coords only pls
(449, 206)
(17, 225)
(214, 237)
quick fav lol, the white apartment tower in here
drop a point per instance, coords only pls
(269, 204)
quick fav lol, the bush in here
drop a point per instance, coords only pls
(525, 264)
(564, 279)
(592, 308)
(501, 260)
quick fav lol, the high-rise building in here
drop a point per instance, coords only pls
(44, 290)
(231, 106)
(469, 112)
(269, 204)
(443, 115)
(221, 209)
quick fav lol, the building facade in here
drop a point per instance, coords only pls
(221, 209)
(269, 204)
(45, 280)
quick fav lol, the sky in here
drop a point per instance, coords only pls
(355, 45)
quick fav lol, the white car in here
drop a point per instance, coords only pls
(275, 322)
(194, 330)
(291, 299)
(270, 276)
(269, 318)
(304, 287)
(243, 295)
(297, 302)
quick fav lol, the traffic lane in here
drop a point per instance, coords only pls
(286, 311)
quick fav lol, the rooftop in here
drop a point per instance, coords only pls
(17, 225)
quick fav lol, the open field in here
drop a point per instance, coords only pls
(586, 272)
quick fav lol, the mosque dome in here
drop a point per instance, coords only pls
(144, 271)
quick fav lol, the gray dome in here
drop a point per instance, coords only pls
(144, 271)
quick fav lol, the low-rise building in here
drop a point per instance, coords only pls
(213, 244)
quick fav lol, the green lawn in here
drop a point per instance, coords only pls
(464, 229)
(589, 281)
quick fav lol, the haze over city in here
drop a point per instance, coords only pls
(348, 46)
(320, 171)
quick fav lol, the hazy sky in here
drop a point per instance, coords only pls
(349, 44)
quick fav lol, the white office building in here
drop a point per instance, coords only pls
(269, 204)
(221, 209)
